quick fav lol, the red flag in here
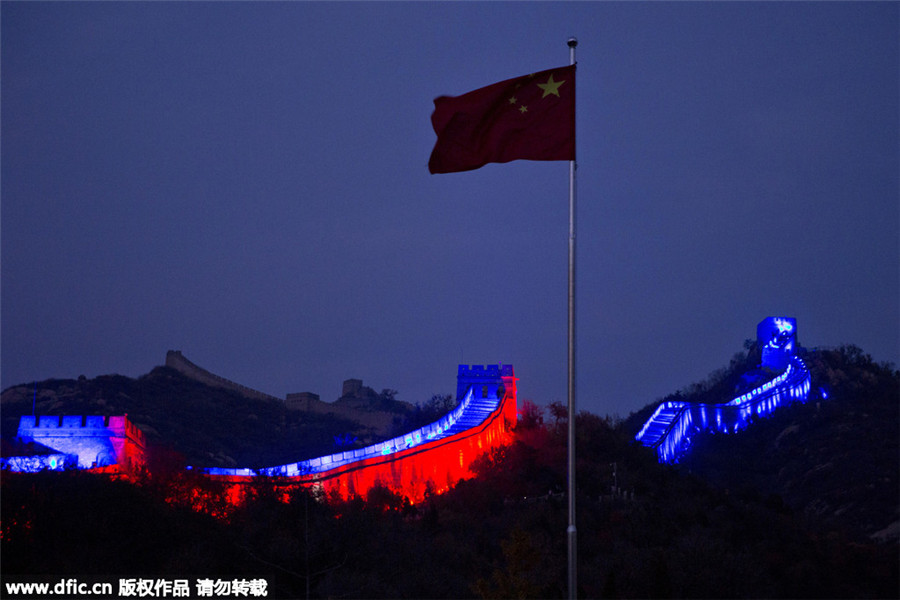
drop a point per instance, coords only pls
(530, 118)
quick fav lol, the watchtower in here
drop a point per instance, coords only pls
(96, 441)
(777, 336)
(351, 387)
(487, 380)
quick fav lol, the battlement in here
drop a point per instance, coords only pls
(77, 425)
(97, 441)
(485, 371)
(485, 380)
(432, 457)
(670, 429)
(777, 337)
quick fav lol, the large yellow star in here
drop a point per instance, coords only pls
(551, 87)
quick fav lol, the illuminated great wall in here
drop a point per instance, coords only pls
(429, 459)
(102, 444)
(670, 430)
(433, 457)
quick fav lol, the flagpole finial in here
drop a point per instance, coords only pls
(573, 41)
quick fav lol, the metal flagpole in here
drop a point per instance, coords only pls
(570, 532)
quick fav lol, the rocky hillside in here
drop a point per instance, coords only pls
(834, 461)
(799, 505)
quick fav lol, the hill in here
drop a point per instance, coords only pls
(212, 426)
(833, 461)
(802, 504)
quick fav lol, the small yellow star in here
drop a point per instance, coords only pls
(523, 109)
(551, 87)
(513, 100)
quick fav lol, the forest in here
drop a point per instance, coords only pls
(800, 505)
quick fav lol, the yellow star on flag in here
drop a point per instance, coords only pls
(506, 121)
(551, 87)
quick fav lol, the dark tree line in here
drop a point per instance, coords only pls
(644, 530)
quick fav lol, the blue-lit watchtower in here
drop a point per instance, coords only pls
(777, 336)
(670, 428)
(487, 380)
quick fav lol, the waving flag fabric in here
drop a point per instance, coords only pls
(530, 117)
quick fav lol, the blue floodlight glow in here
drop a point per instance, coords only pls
(447, 426)
(38, 463)
(670, 429)
(783, 325)
(76, 442)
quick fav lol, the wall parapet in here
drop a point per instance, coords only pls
(94, 441)
(491, 379)
(440, 452)
(670, 429)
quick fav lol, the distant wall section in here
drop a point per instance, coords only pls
(176, 360)
(351, 406)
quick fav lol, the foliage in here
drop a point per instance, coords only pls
(834, 461)
(739, 524)
(424, 413)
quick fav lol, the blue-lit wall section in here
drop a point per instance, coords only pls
(672, 426)
(39, 462)
(89, 442)
(481, 388)
(433, 431)
(433, 457)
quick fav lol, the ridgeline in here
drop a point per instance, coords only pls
(805, 503)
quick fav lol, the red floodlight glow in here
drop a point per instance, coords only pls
(435, 465)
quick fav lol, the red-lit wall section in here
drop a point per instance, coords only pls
(436, 464)
(442, 462)
(433, 457)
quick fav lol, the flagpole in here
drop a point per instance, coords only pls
(570, 532)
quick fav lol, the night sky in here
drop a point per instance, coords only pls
(248, 183)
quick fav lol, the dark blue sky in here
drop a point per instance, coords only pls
(248, 183)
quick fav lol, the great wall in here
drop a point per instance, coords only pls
(176, 360)
(670, 429)
(432, 457)
(103, 444)
(350, 405)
